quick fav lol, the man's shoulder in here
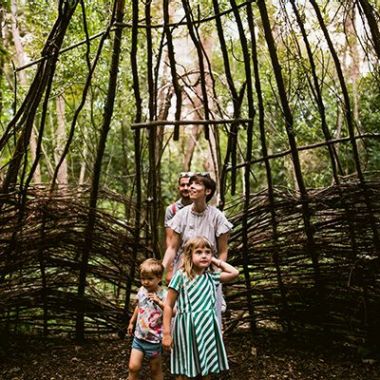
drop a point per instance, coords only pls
(184, 209)
(173, 207)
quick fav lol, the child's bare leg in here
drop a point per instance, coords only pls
(135, 363)
(156, 368)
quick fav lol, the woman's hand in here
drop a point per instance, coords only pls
(167, 342)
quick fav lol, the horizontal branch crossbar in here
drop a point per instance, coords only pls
(64, 50)
(195, 22)
(158, 123)
(306, 147)
(127, 25)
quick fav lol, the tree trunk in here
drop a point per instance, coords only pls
(2, 61)
(21, 60)
(60, 138)
(82, 172)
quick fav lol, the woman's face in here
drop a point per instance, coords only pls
(197, 191)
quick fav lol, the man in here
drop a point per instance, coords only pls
(183, 188)
(171, 210)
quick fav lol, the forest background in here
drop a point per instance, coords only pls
(266, 95)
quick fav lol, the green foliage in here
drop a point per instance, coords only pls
(35, 21)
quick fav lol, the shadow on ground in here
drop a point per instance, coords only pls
(266, 356)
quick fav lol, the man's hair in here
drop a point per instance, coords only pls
(184, 175)
(206, 181)
(188, 249)
(151, 267)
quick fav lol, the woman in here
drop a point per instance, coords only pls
(198, 219)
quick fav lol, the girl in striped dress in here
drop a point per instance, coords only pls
(196, 340)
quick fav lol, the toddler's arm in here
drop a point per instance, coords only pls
(167, 340)
(228, 272)
(132, 321)
(157, 300)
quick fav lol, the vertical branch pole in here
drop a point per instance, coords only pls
(107, 115)
(350, 124)
(264, 150)
(138, 101)
(334, 159)
(232, 136)
(318, 96)
(25, 116)
(247, 168)
(373, 24)
(173, 70)
(306, 213)
(198, 46)
(152, 180)
(86, 88)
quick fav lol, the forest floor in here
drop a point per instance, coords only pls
(267, 356)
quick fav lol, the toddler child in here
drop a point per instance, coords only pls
(147, 321)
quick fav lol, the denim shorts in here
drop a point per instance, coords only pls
(150, 350)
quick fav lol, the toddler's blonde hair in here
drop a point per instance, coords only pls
(188, 249)
(151, 267)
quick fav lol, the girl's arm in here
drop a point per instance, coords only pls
(167, 340)
(228, 272)
(222, 242)
(132, 321)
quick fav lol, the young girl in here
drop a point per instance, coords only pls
(147, 321)
(197, 344)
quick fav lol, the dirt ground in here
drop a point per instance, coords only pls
(266, 356)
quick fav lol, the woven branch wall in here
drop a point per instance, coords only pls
(341, 296)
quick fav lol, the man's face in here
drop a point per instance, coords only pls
(183, 187)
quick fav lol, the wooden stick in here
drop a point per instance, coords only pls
(157, 123)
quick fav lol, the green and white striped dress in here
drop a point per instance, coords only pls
(198, 343)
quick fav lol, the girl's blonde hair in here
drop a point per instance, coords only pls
(188, 249)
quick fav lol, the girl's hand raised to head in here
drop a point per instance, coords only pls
(228, 272)
(167, 342)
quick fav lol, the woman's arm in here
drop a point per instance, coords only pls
(222, 242)
(172, 246)
(228, 272)
(167, 340)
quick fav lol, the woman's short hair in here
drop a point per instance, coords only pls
(206, 181)
(151, 267)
